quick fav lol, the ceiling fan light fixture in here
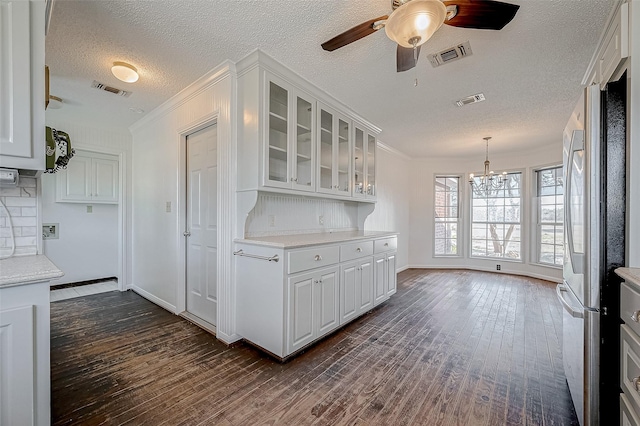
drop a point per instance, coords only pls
(416, 20)
(125, 72)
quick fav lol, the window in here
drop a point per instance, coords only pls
(446, 215)
(550, 216)
(496, 221)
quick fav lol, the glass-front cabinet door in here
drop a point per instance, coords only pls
(325, 149)
(303, 176)
(364, 162)
(334, 152)
(277, 144)
(371, 165)
(343, 160)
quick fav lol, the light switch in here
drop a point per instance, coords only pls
(89, 209)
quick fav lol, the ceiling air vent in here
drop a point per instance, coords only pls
(115, 91)
(470, 100)
(451, 54)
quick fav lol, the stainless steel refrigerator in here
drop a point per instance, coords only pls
(594, 144)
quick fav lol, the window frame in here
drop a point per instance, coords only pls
(459, 221)
(536, 224)
(522, 222)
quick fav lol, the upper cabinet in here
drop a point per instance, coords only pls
(22, 85)
(90, 178)
(295, 139)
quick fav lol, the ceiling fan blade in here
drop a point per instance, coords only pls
(353, 34)
(482, 14)
(404, 58)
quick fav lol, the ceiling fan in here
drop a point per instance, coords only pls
(413, 22)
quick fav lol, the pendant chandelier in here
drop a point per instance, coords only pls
(485, 185)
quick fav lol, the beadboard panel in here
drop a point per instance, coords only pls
(279, 214)
(158, 183)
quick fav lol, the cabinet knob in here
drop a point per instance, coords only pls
(317, 258)
(386, 244)
(636, 381)
(635, 316)
(187, 233)
(294, 179)
(359, 250)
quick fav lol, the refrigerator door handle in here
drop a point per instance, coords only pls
(560, 290)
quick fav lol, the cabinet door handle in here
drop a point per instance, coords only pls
(636, 381)
(187, 233)
(294, 179)
(359, 250)
(635, 316)
(386, 244)
(317, 258)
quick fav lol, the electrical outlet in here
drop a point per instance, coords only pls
(89, 209)
(50, 231)
(498, 267)
(167, 207)
(321, 219)
(272, 220)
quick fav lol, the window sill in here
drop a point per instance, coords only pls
(497, 259)
(546, 265)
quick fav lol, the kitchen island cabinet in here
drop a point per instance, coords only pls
(295, 289)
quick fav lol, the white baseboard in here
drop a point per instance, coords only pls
(404, 268)
(150, 297)
(475, 268)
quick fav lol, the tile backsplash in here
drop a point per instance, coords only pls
(21, 202)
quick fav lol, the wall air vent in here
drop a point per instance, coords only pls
(451, 54)
(470, 100)
(115, 91)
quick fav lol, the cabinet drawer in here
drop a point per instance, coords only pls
(630, 366)
(386, 244)
(302, 260)
(630, 307)
(355, 250)
(627, 415)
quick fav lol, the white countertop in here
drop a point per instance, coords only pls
(630, 274)
(21, 270)
(303, 240)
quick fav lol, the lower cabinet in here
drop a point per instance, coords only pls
(313, 306)
(356, 289)
(385, 279)
(308, 292)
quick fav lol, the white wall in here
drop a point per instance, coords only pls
(88, 245)
(394, 197)
(158, 243)
(422, 208)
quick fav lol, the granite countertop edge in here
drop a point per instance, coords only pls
(306, 240)
(630, 274)
(24, 270)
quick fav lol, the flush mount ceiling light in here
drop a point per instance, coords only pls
(125, 72)
(415, 22)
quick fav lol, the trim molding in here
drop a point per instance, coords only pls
(150, 297)
(394, 151)
(508, 272)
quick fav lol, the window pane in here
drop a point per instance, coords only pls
(550, 213)
(446, 215)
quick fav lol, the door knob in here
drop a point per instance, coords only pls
(187, 233)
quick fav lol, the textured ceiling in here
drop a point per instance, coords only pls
(530, 72)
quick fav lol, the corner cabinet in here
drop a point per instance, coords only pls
(309, 291)
(293, 138)
(22, 86)
(89, 178)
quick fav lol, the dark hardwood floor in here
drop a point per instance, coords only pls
(450, 348)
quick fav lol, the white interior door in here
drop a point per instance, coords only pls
(202, 217)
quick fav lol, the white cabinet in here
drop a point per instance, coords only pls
(289, 148)
(313, 307)
(294, 138)
(615, 45)
(285, 305)
(22, 91)
(334, 152)
(364, 162)
(385, 277)
(89, 178)
(630, 346)
(356, 289)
